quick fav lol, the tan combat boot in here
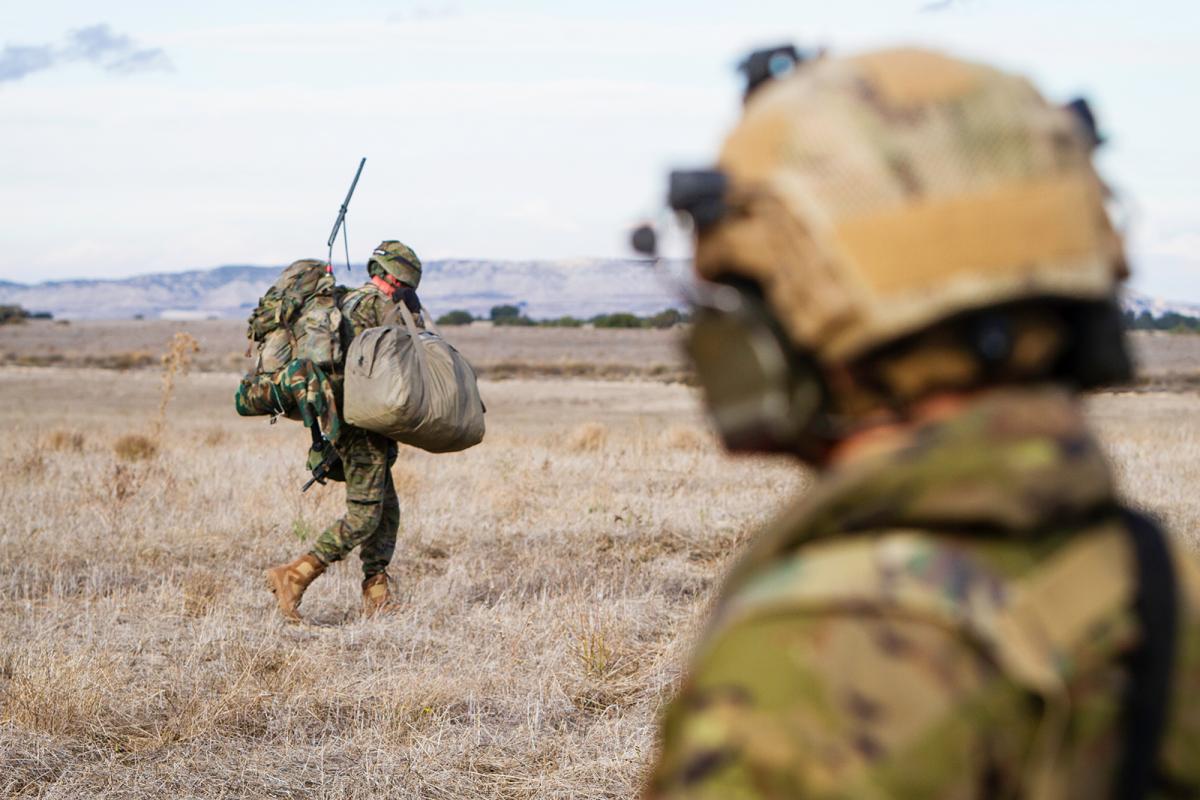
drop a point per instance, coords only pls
(288, 582)
(377, 595)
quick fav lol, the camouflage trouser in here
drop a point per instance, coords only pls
(372, 508)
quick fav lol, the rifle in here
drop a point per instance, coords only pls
(327, 464)
(340, 223)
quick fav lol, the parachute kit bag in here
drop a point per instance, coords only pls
(414, 387)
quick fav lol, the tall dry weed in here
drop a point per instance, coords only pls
(679, 437)
(593, 649)
(588, 437)
(66, 440)
(125, 482)
(175, 363)
(135, 447)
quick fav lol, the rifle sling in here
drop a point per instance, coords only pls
(1150, 665)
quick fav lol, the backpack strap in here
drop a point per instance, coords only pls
(427, 321)
(1144, 709)
(350, 302)
(415, 336)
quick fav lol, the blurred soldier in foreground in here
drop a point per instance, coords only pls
(372, 508)
(907, 275)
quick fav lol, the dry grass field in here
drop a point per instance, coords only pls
(495, 352)
(552, 581)
(1165, 361)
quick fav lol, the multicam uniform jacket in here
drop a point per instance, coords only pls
(949, 619)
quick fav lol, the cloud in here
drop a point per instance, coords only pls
(17, 61)
(95, 44)
(114, 52)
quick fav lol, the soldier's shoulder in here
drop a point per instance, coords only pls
(363, 301)
(902, 570)
(792, 687)
(361, 293)
(1000, 595)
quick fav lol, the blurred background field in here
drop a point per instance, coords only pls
(1165, 360)
(552, 579)
(495, 351)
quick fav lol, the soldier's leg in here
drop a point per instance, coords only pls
(377, 550)
(364, 459)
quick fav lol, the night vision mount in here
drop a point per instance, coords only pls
(767, 64)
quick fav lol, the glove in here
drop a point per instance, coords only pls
(408, 296)
(316, 454)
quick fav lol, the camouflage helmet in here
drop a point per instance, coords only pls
(396, 259)
(871, 197)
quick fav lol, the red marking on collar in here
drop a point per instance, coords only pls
(384, 286)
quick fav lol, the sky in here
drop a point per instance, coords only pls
(154, 137)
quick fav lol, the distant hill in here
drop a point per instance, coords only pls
(544, 289)
(1136, 303)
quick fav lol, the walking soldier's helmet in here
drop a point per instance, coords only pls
(396, 259)
(885, 225)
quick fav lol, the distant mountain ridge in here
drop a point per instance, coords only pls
(1138, 303)
(544, 289)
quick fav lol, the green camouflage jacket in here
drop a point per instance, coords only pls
(368, 307)
(947, 619)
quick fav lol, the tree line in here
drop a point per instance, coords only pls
(14, 314)
(510, 315)
(1170, 321)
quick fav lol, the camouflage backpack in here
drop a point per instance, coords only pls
(299, 317)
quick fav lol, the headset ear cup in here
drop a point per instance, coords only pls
(761, 394)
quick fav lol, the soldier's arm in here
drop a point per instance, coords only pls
(839, 705)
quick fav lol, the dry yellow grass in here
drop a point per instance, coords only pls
(588, 437)
(135, 447)
(551, 581)
(549, 591)
(64, 439)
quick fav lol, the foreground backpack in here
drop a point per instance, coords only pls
(298, 317)
(413, 387)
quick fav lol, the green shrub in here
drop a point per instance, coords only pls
(10, 315)
(456, 317)
(621, 319)
(667, 318)
(499, 313)
(562, 322)
(520, 321)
